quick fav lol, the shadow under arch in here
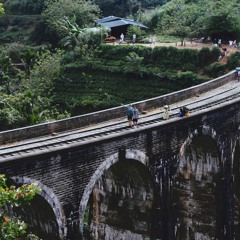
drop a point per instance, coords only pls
(111, 160)
(51, 200)
(236, 189)
(197, 188)
(204, 130)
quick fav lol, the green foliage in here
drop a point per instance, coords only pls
(178, 19)
(88, 74)
(194, 19)
(10, 118)
(233, 61)
(11, 197)
(43, 73)
(119, 8)
(119, 52)
(90, 87)
(9, 77)
(153, 18)
(188, 79)
(4, 22)
(24, 6)
(167, 39)
(28, 57)
(221, 20)
(173, 58)
(207, 56)
(14, 110)
(135, 30)
(76, 36)
(170, 58)
(17, 28)
(133, 62)
(189, 67)
(215, 70)
(85, 11)
(153, 3)
(27, 99)
(75, 33)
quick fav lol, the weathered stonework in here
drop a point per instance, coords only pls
(52, 200)
(190, 161)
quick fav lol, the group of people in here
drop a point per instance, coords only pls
(133, 114)
(183, 111)
(134, 37)
(233, 44)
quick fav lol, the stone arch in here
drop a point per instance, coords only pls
(48, 194)
(198, 186)
(204, 130)
(111, 160)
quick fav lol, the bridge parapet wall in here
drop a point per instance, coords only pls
(108, 114)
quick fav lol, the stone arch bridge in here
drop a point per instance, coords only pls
(172, 179)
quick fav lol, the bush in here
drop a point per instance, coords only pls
(207, 56)
(173, 58)
(10, 118)
(215, 70)
(4, 22)
(233, 61)
(24, 7)
(188, 79)
(204, 57)
(189, 67)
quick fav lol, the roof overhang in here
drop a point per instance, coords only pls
(112, 22)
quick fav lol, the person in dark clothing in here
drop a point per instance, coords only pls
(181, 113)
(135, 116)
(130, 115)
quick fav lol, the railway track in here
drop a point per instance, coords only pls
(49, 143)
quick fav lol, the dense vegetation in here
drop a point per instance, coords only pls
(53, 66)
(120, 74)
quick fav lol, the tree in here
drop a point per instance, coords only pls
(179, 19)
(77, 36)
(12, 197)
(121, 8)
(17, 7)
(39, 85)
(133, 63)
(28, 56)
(85, 11)
(221, 19)
(134, 30)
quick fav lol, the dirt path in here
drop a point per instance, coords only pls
(197, 45)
